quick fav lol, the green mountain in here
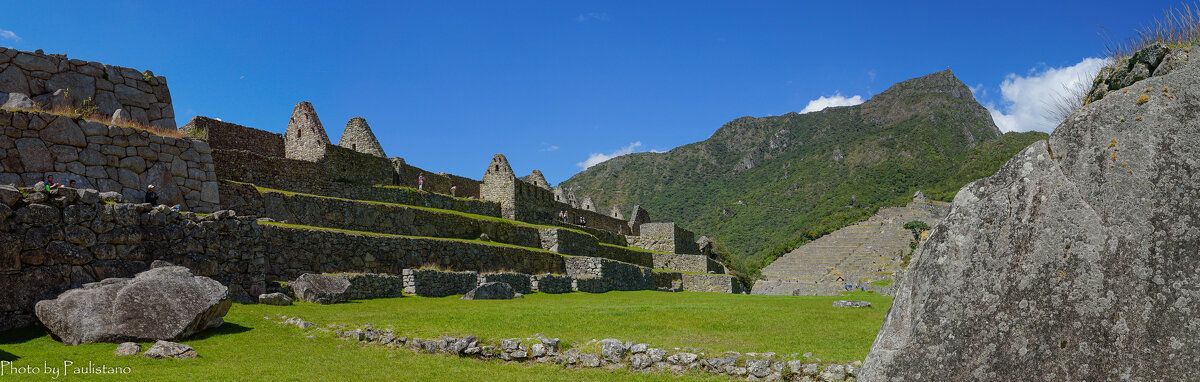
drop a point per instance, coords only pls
(761, 186)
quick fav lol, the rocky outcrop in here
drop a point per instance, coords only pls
(164, 303)
(321, 289)
(1076, 261)
(490, 291)
(167, 349)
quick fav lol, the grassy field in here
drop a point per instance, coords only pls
(249, 347)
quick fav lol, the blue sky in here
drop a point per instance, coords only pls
(551, 84)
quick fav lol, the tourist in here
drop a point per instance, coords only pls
(421, 182)
(176, 208)
(50, 185)
(453, 190)
(72, 183)
(151, 196)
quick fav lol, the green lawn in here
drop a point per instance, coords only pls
(248, 347)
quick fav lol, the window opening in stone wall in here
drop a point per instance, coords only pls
(354, 147)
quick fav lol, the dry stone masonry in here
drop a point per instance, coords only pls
(30, 80)
(613, 354)
(358, 137)
(107, 158)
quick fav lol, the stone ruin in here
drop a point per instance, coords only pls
(348, 210)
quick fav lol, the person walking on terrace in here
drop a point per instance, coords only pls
(421, 182)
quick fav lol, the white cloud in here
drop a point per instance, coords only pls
(595, 158)
(548, 147)
(1028, 101)
(601, 16)
(9, 35)
(834, 100)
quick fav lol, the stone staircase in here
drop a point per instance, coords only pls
(848, 255)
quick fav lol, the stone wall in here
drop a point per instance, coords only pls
(606, 237)
(355, 215)
(565, 241)
(223, 135)
(107, 158)
(407, 175)
(687, 263)
(317, 178)
(62, 239)
(434, 283)
(551, 283)
(628, 255)
(26, 77)
(680, 240)
(520, 282)
(293, 251)
(698, 282)
(668, 281)
(371, 285)
(597, 275)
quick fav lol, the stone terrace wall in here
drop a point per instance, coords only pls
(372, 217)
(62, 239)
(687, 263)
(436, 182)
(341, 168)
(315, 178)
(696, 282)
(606, 237)
(295, 251)
(597, 275)
(107, 158)
(32, 74)
(564, 241)
(434, 283)
(669, 281)
(534, 204)
(554, 284)
(628, 255)
(229, 136)
(371, 285)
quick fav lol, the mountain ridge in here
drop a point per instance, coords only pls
(757, 182)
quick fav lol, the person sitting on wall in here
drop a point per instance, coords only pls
(151, 196)
(72, 183)
(50, 185)
(421, 182)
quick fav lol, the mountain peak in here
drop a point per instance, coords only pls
(915, 96)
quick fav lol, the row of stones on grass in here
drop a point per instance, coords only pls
(613, 354)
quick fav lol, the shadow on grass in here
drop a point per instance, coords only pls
(6, 356)
(226, 328)
(21, 335)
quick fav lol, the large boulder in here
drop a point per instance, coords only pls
(490, 291)
(167, 303)
(1075, 261)
(320, 289)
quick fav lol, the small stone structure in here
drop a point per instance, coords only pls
(433, 283)
(27, 77)
(597, 275)
(550, 283)
(305, 138)
(358, 137)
